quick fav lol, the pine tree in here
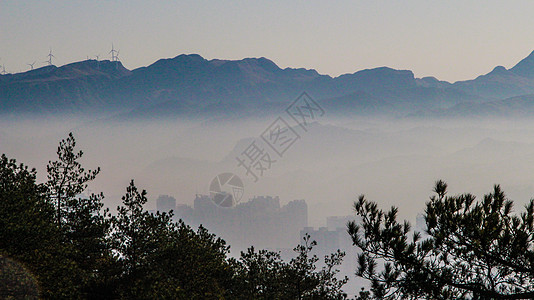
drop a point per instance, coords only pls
(471, 249)
(82, 222)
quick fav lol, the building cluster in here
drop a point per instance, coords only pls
(261, 221)
(266, 224)
(331, 238)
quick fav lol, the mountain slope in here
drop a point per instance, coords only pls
(191, 86)
(74, 87)
(518, 107)
(525, 67)
(501, 83)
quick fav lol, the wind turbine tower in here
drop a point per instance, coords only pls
(31, 65)
(98, 61)
(50, 55)
(114, 53)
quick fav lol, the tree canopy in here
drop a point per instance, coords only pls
(57, 242)
(264, 275)
(471, 249)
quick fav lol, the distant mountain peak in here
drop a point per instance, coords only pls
(525, 67)
(190, 57)
(189, 84)
(431, 81)
(382, 77)
(180, 59)
(530, 56)
(261, 62)
(80, 69)
(499, 70)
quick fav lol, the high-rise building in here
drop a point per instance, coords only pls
(335, 222)
(165, 203)
(261, 221)
(333, 237)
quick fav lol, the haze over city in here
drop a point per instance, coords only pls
(265, 121)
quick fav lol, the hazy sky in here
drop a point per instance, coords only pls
(452, 40)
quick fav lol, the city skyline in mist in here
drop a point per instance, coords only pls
(452, 41)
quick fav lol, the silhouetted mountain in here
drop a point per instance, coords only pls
(520, 106)
(75, 87)
(258, 87)
(501, 83)
(497, 84)
(359, 103)
(432, 82)
(525, 67)
(378, 78)
(191, 86)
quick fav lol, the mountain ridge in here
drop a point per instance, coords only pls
(190, 84)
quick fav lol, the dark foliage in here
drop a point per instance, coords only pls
(56, 243)
(264, 275)
(470, 250)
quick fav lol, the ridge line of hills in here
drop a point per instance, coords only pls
(191, 86)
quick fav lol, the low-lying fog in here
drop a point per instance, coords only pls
(393, 162)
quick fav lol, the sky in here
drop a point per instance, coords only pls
(451, 40)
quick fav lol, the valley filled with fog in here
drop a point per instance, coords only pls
(266, 150)
(391, 161)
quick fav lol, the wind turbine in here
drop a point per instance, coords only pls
(50, 55)
(114, 53)
(31, 65)
(97, 61)
(3, 70)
